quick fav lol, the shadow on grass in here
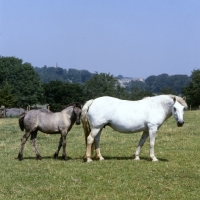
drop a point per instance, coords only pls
(105, 157)
(45, 158)
(131, 158)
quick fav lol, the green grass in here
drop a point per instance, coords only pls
(175, 176)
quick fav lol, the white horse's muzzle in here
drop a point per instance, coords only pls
(180, 123)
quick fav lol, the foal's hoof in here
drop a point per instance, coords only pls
(20, 157)
(65, 158)
(55, 155)
(39, 157)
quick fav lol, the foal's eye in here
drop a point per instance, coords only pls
(174, 109)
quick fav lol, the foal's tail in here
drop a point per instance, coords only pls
(84, 119)
(21, 121)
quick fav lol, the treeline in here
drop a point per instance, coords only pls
(156, 84)
(21, 84)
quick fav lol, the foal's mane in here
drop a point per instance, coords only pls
(76, 104)
(179, 99)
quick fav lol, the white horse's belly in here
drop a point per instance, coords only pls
(128, 128)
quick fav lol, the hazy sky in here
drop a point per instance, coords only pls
(133, 38)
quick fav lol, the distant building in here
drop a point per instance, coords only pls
(122, 80)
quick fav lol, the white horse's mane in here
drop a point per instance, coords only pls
(179, 99)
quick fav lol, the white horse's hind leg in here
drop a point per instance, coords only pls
(152, 135)
(141, 143)
(98, 155)
(90, 140)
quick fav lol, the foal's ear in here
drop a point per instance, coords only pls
(174, 99)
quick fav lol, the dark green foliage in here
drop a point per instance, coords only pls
(103, 85)
(58, 94)
(192, 91)
(175, 83)
(135, 84)
(23, 80)
(7, 98)
(137, 94)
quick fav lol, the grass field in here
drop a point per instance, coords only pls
(175, 176)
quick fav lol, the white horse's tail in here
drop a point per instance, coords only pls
(84, 119)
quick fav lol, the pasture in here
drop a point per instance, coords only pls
(175, 176)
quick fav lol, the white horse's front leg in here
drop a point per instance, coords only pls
(152, 136)
(140, 144)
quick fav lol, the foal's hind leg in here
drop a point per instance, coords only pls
(23, 141)
(140, 144)
(59, 147)
(33, 142)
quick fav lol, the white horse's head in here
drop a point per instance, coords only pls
(177, 112)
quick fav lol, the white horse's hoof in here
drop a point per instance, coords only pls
(154, 159)
(137, 158)
(89, 160)
(101, 158)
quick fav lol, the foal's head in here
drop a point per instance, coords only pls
(77, 113)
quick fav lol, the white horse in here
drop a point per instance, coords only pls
(145, 115)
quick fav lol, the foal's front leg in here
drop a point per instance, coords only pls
(64, 135)
(59, 147)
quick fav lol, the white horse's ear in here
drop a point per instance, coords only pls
(174, 99)
(184, 98)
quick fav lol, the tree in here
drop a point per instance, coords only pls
(58, 94)
(135, 84)
(192, 91)
(164, 82)
(7, 98)
(23, 80)
(138, 94)
(103, 85)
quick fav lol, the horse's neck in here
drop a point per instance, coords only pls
(168, 108)
(69, 111)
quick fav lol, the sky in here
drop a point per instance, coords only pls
(132, 38)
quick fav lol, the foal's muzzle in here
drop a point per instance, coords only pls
(179, 124)
(78, 122)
